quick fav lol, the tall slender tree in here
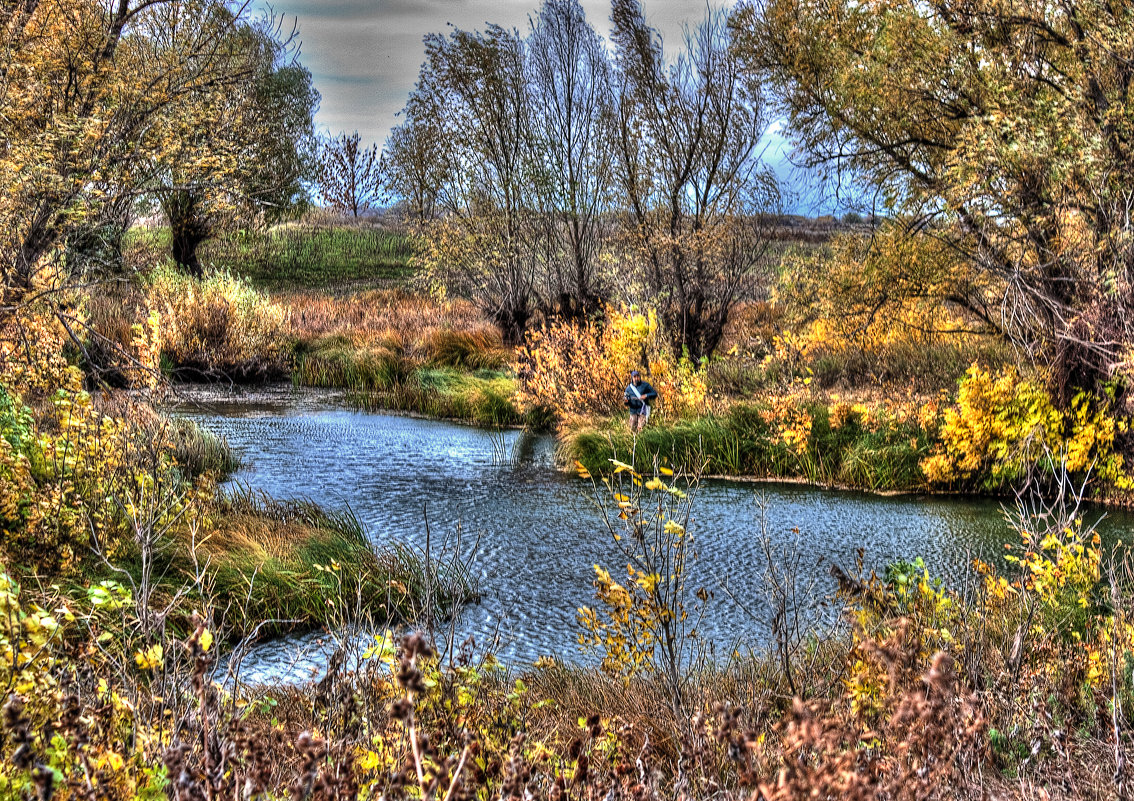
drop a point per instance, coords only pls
(349, 175)
(695, 190)
(473, 88)
(572, 112)
(413, 162)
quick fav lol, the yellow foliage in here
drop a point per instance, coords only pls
(639, 623)
(31, 351)
(150, 658)
(871, 294)
(144, 368)
(219, 320)
(789, 421)
(75, 473)
(579, 369)
(1002, 424)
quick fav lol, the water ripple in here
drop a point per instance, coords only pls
(540, 535)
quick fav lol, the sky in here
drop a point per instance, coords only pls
(365, 55)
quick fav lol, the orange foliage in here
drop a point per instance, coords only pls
(582, 369)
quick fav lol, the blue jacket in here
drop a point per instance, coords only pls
(647, 392)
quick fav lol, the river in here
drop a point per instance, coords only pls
(538, 531)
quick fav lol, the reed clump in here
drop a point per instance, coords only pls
(288, 558)
(198, 451)
(217, 327)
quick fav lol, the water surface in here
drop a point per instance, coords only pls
(538, 532)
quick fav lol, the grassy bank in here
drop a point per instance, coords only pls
(411, 353)
(1016, 688)
(810, 440)
(484, 398)
(292, 564)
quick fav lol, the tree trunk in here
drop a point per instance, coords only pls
(40, 238)
(513, 323)
(188, 228)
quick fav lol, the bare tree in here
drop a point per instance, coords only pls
(569, 74)
(472, 87)
(349, 173)
(695, 189)
(414, 161)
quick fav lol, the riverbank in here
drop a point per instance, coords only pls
(803, 442)
(925, 688)
(904, 409)
(964, 683)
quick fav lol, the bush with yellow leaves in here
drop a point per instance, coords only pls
(69, 482)
(880, 308)
(70, 473)
(582, 369)
(1003, 427)
(649, 623)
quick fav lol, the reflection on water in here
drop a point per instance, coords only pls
(539, 533)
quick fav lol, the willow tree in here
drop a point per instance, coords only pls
(1003, 127)
(237, 155)
(83, 86)
(473, 89)
(695, 190)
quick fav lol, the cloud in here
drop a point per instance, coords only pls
(365, 56)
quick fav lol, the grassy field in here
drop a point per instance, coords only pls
(296, 256)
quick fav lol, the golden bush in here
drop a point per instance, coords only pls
(580, 369)
(1003, 425)
(216, 321)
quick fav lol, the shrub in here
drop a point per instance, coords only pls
(1004, 427)
(879, 309)
(582, 369)
(218, 325)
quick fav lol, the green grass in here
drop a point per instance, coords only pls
(336, 362)
(300, 566)
(296, 256)
(742, 443)
(483, 397)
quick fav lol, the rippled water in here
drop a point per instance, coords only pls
(539, 534)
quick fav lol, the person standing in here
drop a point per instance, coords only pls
(639, 393)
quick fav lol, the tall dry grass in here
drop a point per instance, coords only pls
(404, 352)
(417, 323)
